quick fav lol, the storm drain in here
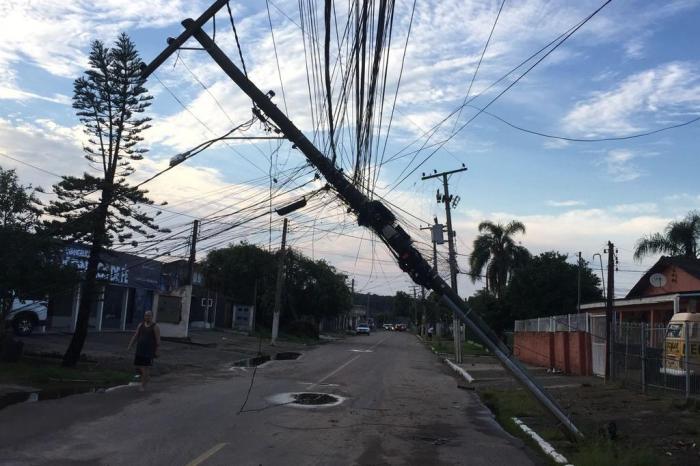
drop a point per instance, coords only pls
(314, 399)
(306, 400)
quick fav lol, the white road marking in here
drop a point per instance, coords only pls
(460, 371)
(342, 366)
(207, 454)
(360, 350)
(544, 445)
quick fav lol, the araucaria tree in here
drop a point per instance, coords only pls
(99, 210)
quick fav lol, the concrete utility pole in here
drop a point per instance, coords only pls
(193, 253)
(578, 299)
(423, 316)
(436, 231)
(609, 311)
(371, 213)
(280, 285)
(449, 201)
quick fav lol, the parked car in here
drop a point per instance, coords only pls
(400, 327)
(25, 315)
(362, 329)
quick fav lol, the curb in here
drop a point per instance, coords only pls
(546, 447)
(459, 370)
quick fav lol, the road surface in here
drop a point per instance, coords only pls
(399, 405)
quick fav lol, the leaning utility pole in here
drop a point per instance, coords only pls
(279, 286)
(449, 201)
(372, 214)
(609, 335)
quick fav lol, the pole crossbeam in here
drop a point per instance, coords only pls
(374, 215)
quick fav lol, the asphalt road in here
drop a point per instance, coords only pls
(399, 405)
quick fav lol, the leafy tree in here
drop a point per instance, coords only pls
(402, 304)
(497, 313)
(548, 285)
(99, 210)
(19, 207)
(31, 260)
(314, 289)
(495, 254)
(680, 238)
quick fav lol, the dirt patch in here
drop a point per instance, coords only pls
(622, 427)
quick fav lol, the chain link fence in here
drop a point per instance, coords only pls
(660, 357)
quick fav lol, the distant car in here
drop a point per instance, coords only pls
(400, 327)
(25, 315)
(362, 329)
(388, 327)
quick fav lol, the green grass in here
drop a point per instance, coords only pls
(471, 348)
(604, 453)
(506, 404)
(42, 373)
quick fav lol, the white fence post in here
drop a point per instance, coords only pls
(643, 351)
(686, 357)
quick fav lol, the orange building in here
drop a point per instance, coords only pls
(670, 286)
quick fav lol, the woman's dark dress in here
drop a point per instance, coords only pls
(145, 345)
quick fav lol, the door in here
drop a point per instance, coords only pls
(598, 344)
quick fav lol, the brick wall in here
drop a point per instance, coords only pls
(569, 352)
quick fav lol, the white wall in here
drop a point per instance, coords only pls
(179, 330)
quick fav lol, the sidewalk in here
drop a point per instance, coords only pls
(618, 423)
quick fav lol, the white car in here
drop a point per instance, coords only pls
(25, 315)
(362, 329)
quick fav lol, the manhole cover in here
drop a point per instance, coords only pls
(314, 399)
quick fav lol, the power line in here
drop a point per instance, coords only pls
(507, 88)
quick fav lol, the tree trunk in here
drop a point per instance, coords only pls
(87, 297)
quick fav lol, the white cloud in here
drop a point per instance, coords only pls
(634, 48)
(636, 208)
(569, 203)
(672, 87)
(619, 165)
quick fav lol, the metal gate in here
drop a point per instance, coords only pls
(598, 344)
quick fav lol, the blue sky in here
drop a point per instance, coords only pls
(633, 68)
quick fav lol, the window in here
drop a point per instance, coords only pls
(674, 330)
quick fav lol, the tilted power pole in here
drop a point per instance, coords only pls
(370, 213)
(447, 199)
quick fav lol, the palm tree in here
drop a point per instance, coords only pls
(496, 251)
(680, 238)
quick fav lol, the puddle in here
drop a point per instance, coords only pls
(259, 360)
(52, 394)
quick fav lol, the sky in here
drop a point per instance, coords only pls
(633, 68)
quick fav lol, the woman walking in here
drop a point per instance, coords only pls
(147, 337)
